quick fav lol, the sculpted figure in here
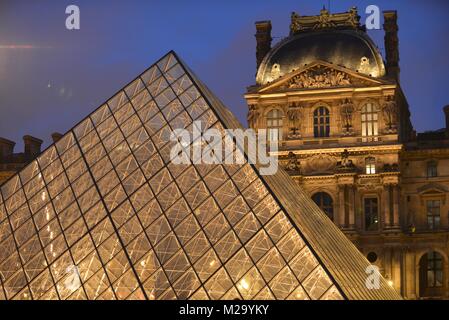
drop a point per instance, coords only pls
(390, 112)
(347, 110)
(253, 114)
(294, 117)
(295, 26)
(293, 164)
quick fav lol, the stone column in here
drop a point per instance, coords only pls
(396, 221)
(396, 269)
(409, 275)
(263, 39)
(351, 190)
(358, 211)
(386, 206)
(341, 202)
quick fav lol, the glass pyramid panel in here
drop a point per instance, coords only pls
(105, 214)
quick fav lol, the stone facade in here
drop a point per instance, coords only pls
(345, 136)
(11, 162)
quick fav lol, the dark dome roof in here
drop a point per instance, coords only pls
(352, 49)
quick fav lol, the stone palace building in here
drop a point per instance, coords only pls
(336, 106)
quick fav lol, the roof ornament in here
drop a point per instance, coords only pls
(326, 20)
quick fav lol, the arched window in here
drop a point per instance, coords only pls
(432, 169)
(274, 125)
(321, 123)
(370, 165)
(369, 122)
(431, 272)
(325, 202)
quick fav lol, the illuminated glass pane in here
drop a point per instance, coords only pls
(251, 283)
(317, 283)
(283, 284)
(218, 284)
(227, 246)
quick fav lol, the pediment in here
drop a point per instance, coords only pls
(432, 188)
(319, 75)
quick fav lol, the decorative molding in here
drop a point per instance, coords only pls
(325, 20)
(318, 77)
(362, 150)
(293, 166)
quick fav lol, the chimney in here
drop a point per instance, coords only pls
(263, 38)
(392, 44)
(6, 148)
(446, 115)
(56, 136)
(32, 146)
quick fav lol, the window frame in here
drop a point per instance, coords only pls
(433, 214)
(369, 118)
(369, 215)
(275, 124)
(435, 266)
(370, 166)
(321, 122)
(327, 208)
(432, 169)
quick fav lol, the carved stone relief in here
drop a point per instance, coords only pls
(253, 115)
(390, 113)
(319, 164)
(319, 77)
(294, 120)
(293, 166)
(346, 112)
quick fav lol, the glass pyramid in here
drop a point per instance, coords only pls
(104, 214)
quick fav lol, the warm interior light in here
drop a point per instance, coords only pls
(47, 214)
(244, 284)
(390, 283)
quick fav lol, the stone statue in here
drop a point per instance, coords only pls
(353, 17)
(275, 71)
(345, 164)
(390, 113)
(293, 164)
(253, 115)
(295, 26)
(346, 111)
(294, 117)
(364, 66)
(324, 20)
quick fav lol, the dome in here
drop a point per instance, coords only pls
(352, 49)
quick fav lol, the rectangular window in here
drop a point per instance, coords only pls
(433, 214)
(370, 168)
(273, 134)
(371, 214)
(369, 123)
(432, 169)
